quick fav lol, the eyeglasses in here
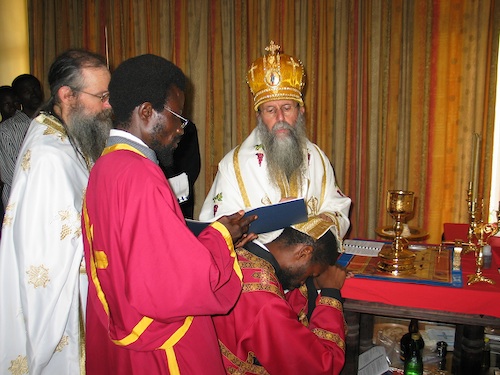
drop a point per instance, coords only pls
(286, 109)
(104, 97)
(184, 121)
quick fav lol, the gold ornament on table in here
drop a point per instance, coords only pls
(396, 258)
(479, 231)
(475, 205)
(482, 231)
(474, 209)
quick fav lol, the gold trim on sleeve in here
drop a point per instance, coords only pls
(330, 336)
(229, 242)
(168, 346)
(137, 331)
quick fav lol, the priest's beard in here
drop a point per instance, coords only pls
(90, 131)
(291, 278)
(164, 153)
(284, 153)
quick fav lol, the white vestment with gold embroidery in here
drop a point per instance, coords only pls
(244, 183)
(41, 252)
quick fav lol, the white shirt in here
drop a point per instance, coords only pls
(12, 132)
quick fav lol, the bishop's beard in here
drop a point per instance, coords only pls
(285, 154)
(90, 131)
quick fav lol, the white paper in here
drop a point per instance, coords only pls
(180, 186)
(365, 248)
(373, 362)
(439, 333)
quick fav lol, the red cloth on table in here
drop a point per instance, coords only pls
(480, 298)
(153, 272)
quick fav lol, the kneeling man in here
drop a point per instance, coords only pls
(300, 332)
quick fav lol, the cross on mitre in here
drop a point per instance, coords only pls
(294, 65)
(252, 69)
(272, 48)
(272, 54)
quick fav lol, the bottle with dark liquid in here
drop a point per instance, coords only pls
(406, 339)
(414, 365)
(485, 361)
(441, 350)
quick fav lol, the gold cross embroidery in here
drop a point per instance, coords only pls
(252, 69)
(272, 48)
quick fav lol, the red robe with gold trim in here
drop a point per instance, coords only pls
(262, 333)
(149, 275)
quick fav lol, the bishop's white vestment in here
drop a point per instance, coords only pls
(41, 252)
(242, 182)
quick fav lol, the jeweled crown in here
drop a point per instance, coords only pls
(276, 76)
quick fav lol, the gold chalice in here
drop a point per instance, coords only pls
(396, 258)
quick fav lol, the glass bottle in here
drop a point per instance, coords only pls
(414, 364)
(406, 339)
(487, 256)
(485, 361)
(442, 350)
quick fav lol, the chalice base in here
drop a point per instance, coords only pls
(396, 262)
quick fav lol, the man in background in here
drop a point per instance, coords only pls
(8, 107)
(185, 169)
(262, 333)
(29, 93)
(154, 284)
(43, 284)
(8, 103)
(276, 161)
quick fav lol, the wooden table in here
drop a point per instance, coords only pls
(470, 308)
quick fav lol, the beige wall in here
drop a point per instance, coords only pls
(14, 43)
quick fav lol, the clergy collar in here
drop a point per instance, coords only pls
(261, 251)
(119, 136)
(126, 134)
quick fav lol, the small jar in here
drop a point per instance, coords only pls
(441, 349)
(486, 256)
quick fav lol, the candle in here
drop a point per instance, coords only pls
(106, 44)
(475, 166)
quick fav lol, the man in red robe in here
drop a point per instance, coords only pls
(153, 284)
(262, 334)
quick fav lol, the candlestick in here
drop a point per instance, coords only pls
(475, 166)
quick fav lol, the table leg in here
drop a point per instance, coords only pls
(365, 332)
(457, 351)
(352, 343)
(470, 349)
